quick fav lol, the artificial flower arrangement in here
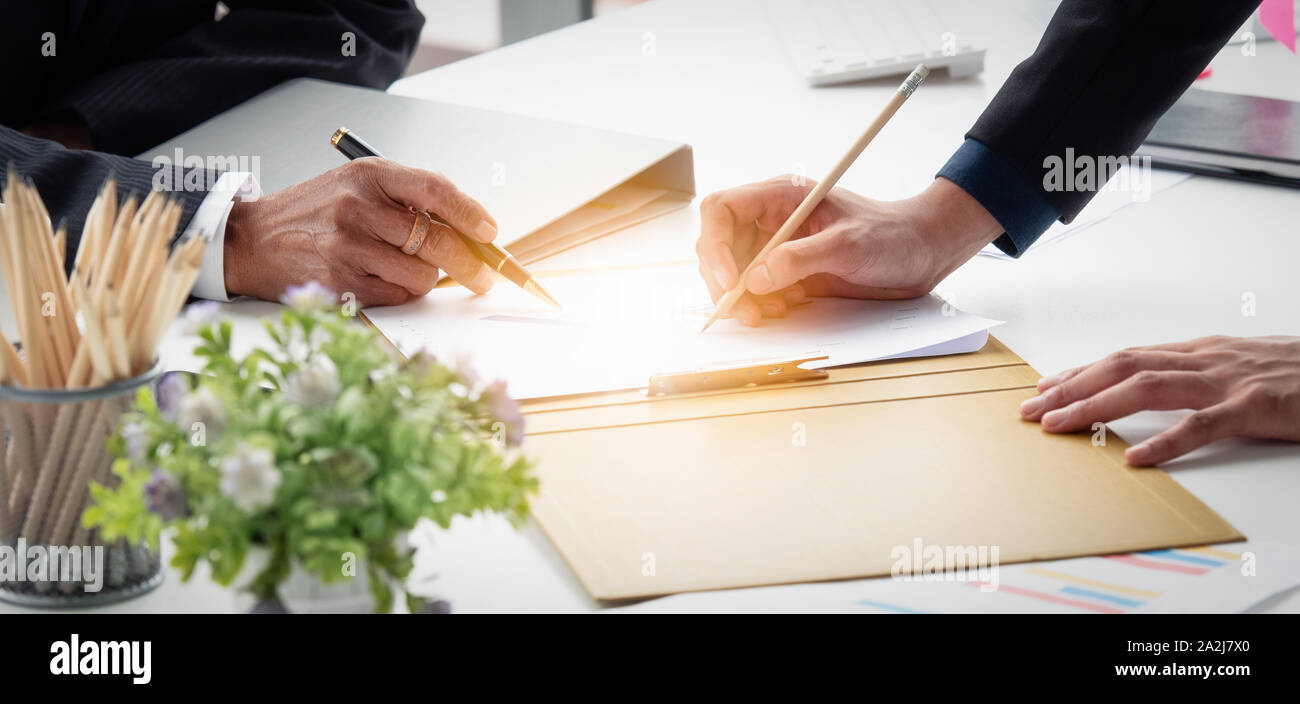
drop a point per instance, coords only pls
(324, 448)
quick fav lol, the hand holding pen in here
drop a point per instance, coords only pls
(433, 225)
(345, 229)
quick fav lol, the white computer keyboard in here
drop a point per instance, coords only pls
(835, 41)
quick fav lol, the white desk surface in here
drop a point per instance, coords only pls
(714, 75)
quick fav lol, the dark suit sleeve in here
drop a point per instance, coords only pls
(216, 65)
(1103, 73)
(69, 179)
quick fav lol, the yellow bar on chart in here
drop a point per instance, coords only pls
(1214, 552)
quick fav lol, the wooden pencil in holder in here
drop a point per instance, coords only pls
(47, 496)
(85, 344)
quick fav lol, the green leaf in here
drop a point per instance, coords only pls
(380, 590)
(415, 603)
(354, 474)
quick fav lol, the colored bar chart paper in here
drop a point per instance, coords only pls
(1217, 579)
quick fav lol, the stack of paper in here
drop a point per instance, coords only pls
(620, 326)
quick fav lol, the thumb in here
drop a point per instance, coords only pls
(794, 261)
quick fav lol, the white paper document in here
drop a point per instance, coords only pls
(1224, 578)
(621, 326)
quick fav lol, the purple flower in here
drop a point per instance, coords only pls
(268, 605)
(504, 409)
(310, 296)
(169, 392)
(436, 606)
(200, 315)
(165, 496)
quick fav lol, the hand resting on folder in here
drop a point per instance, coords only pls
(1240, 387)
(855, 247)
(345, 228)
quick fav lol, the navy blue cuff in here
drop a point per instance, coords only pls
(1019, 207)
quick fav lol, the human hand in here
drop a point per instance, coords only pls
(345, 229)
(849, 246)
(1239, 386)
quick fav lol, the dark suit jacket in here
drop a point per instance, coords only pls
(138, 73)
(1103, 73)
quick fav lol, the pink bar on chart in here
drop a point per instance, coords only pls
(1154, 565)
(1044, 596)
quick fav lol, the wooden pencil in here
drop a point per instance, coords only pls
(51, 466)
(127, 284)
(15, 370)
(72, 492)
(21, 456)
(21, 289)
(116, 328)
(53, 283)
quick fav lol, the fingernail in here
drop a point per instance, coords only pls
(1030, 406)
(1139, 453)
(1059, 417)
(486, 231)
(760, 281)
(794, 296)
(723, 277)
(771, 309)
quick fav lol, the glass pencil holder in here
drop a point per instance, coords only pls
(54, 445)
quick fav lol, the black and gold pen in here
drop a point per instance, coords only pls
(499, 260)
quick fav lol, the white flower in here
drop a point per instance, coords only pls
(201, 406)
(200, 315)
(315, 384)
(136, 439)
(249, 477)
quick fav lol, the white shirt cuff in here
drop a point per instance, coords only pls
(209, 222)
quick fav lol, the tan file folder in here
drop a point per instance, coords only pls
(550, 185)
(823, 479)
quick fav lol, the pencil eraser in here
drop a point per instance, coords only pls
(912, 81)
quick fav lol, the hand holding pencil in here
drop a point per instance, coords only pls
(815, 195)
(842, 245)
